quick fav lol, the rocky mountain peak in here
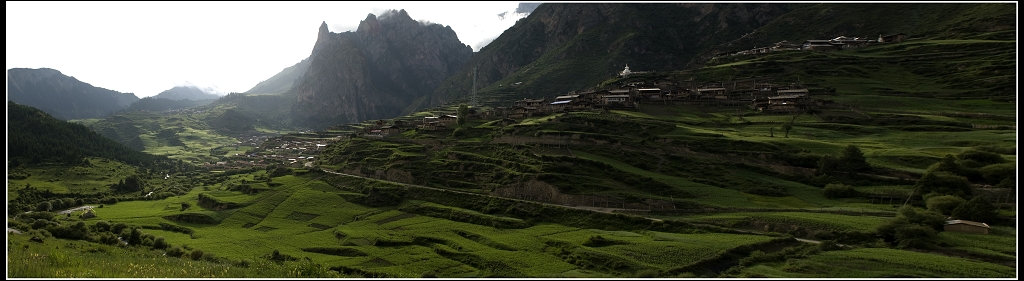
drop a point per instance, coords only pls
(378, 71)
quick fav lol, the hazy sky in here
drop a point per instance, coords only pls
(148, 47)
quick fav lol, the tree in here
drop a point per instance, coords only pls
(786, 127)
(44, 207)
(135, 238)
(943, 183)
(838, 190)
(977, 209)
(944, 204)
(947, 164)
(827, 164)
(463, 113)
(853, 159)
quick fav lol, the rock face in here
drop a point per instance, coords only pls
(61, 96)
(387, 67)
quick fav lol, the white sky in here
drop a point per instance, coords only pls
(148, 47)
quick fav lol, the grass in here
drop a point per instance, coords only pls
(96, 177)
(880, 263)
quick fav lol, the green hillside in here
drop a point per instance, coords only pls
(899, 162)
(36, 137)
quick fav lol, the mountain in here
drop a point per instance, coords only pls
(994, 21)
(185, 93)
(282, 81)
(34, 136)
(562, 47)
(62, 96)
(385, 68)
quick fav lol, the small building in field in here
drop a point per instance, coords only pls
(892, 38)
(966, 226)
(820, 45)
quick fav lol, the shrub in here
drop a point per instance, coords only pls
(118, 227)
(977, 209)
(853, 159)
(997, 173)
(44, 207)
(175, 251)
(914, 236)
(978, 158)
(943, 183)
(838, 190)
(40, 215)
(944, 204)
(196, 254)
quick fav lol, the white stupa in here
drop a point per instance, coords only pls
(625, 72)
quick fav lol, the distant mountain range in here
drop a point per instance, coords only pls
(186, 93)
(62, 96)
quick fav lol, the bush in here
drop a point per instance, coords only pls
(979, 158)
(943, 183)
(997, 173)
(196, 254)
(175, 251)
(118, 227)
(914, 236)
(39, 215)
(44, 207)
(853, 159)
(102, 226)
(838, 190)
(944, 204)
(977, 209)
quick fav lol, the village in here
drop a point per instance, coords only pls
(293, 150)
(757, 93)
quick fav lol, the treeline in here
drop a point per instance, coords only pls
(37, 137)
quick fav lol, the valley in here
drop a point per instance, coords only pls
(889, 160)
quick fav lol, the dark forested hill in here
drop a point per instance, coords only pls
(61, 96)
(34, 136)
(562, 47)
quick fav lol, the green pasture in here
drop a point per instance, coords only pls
(879, 263)
(95, 177)
(810, 220)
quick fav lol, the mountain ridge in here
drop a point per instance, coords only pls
(63, 97)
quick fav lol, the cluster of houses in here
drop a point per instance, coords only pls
(282, 150)
(835, 44)
(759, 95)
